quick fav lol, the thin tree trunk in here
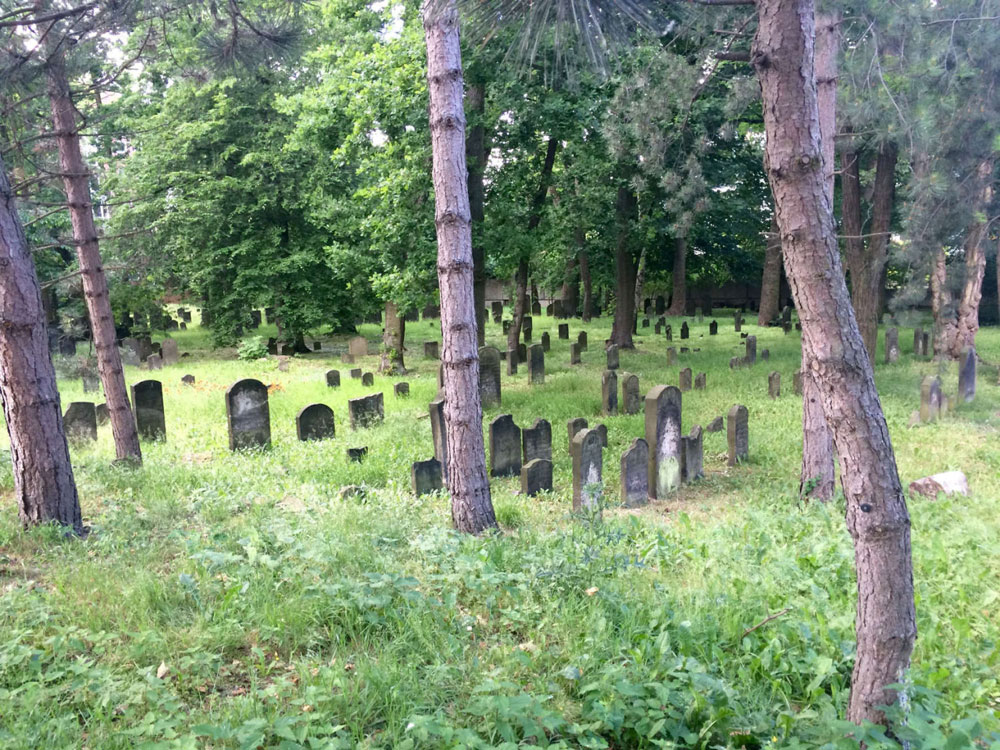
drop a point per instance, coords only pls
(43, 476)
(475, 150)
(471, 505)
(640, 281)
(877, 516)
(678, 300)
(621, 328)
(393, 341)
(975, 270)
(770, 283)
(520, 300)
(588, 290)
(95, 284)
(942, 308)
(570, 289)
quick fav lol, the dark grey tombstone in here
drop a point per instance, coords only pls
(315, 422)
(67, 347)
(536, 308)
(512, 361)
(612, 356)
(80, 422)
(930, 399)
(671, 356)
(685, 331)
(660, 304)
(663, 435)
(366, 411)
(169, 352)
(431, 350)
(685, 350)
(573, 426)
(670, 333)
(489, 376)
(522, 354)
(333, 378)
(147, 402)
(255, 319)
(550, 309)
(526, 329)
(356, 373)
(426, 477)
(317, 346)
(797, 382)
(765, 354)
(738, 321)
(574, 354)
(145, 348)
(272, 346)
(154, 362)
(103, 414)
(738, 434)
(497, 307)
(581, 341)
(734, 362)
(685, 380)
(645, 322)
(91, 382)
(248, 415)
(699, 381)
(505, 447)
(188, 380)
(715, 425)
(131, 352)
(693, 463)
(536, 365)
(588, 466)
(546, 341)
(774, 384)
(609, 393)
(925, 341)
(635, 474)
(506, 327)
(967, 374)
(357, 455)
(536, 441)
(557, 308)
(439, 434)
(564, 331)
(891, 345)
(918, 338)
(367, 379)
(713, 328)
(401, 390)
(751, 350)
(536, 476)
(602, 430)
(631, 401)
(658, 328)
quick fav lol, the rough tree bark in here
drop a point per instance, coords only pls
(640, 281)
(475, 151)
(621, 327)
(877, 516)
(43, 476)
(945, 324)
(770, 282)
(588, 289)
(393, 341)
(678, 300)
(570, 289)
(95, 285)
(467, 481)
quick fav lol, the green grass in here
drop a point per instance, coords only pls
(288, 617)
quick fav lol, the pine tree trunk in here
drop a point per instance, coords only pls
(621, 327)
(471, 505)
(975, 270)
(475, 150)
(770, 283)
(95, 284)
(942, 308)
(393, 341)
(877, 516)
(678, 301)
(640, 282)
(588, 290)
(43, 476)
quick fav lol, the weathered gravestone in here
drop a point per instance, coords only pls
(153, 362)
(91, 381)
(357, 455)
(347, 358)
(671, 356)
(573, 426)
(512, 361)
(431, 350)
(797, 382)
(401, 390)
(765, 354)
(526, 329)
(536, 365)
(685, 331)
(366, 411)
(315, 422)
(536, 441)
(439, 434)
(536, 476)
(80, 422)
(609, 393)
(588, 466)
(658, 328)
(713, 328)
(506, 327)
(645, 322)
(685, 380)
(930, 399)
(564, 331)
(918, 339)
(660, 304)
(426, 477)
(169, 352)
(333, 378)
(738, 434)
(574, 354)
(635, 474)
(489, 376)
(738, 321)
(367, 379)
(147, 401)
(546, 341)
(358, 347)
(631, 400)
(522, 353)
(188, 380)
(663, 435)
(692, 451)
(248, 415)
(774, 384)
(670, 333)
(891, 345)
(317, 346)
(967, 374)
(497, 307)
(581, 341)
(602, 430)
(284, 363)
(612, 356)
(751, 350)
(356, 373)
(536, 308)
(699, 381)
(715, 425)
(925, 340)
(103, 414)
(505, 447)
(131, 352)
(255, 319)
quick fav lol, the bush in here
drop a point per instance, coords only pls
(252, 347)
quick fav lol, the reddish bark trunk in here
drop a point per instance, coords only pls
(588, 291)
(475, 150)
(877, 516)
(621, 328)
(678, 300)
(770, 283)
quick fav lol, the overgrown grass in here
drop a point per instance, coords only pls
(285, 616)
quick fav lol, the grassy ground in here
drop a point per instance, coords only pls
(236, 601)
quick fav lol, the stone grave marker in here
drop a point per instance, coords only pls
(671, 356)
(581, 341)
(366, 411)
(631, 401)
(713, 328)
(505, 447)
(333, 378)
(522, 353)
(357, 455)
(103, 414)
(80, 422)
(315, 422)
(439, 434)
(512, 361)
(751, 350)
(574, 354)
(91, 381)
(699, 381)
(526, 329)
(367, 379)
(546, 341)
(248, 415)
(609, 393)
(925, 340)
(635, 474)
(918, 339)
(255, 319)
(536, 441)
(347, 358)
(738, 321)
(930, 399)
(645, 322)
(738, 434)
(431, 350)
(774, 384)
(693, 463)
(317, 346)
(765, 354)
(660, 305)
(426, 477)
(153, 362)
(284, 363)
(489, 376)
(506, 327)
(401, 390)
(612, 356)
(131, 352)
(188, 380)
(536, 476)
(685, 331)
(685, 380)
(536, 307)
(602, 430)
(169, 352)
(358, 347)
(663, 435)
(715, 425)
(564, 331)
(891, 345)
(797, 382)
(573, 426)
(147, 401)
(670, 333)
(588, 465)
(536, 365)
(497, 308)
(967, 374)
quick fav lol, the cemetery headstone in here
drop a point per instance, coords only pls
(153, 362)
(368, 379)
(925, 344)
(751, 350)
(715, 425)
(248, 415)
(401, 390)
(635, 474)
(671, 356)
(967, 374)
(738, 434)
(315, 422)
(439, 434)
(317, 346)
(663, 435)
(588, 465)
(685, 331)
(891, 345)
(522, 353)
(693, 464)
(631, 400)
(658, 328)
(536, 476)
(713, 328)
(103, 414)
(147, 401)
(573, 426)
(930, 399)
(602, 430)
(574, 354)
(609, 393)
(738, 321)
(188, 380)
(431, 350)
(918, 340)
(670, 333)
(797, 382)
(357, 455)
(91, 381)
(506, 327)
(660, 305)
(526, 329)
(536, 308)
(358, 347)
(489, 376)
(356, 373)
(699, 381)
(685, 380)
(169, 352)
(333, 378)
(255, 318)
(536, 365)
(612, 356)
(426, 477)
(512, 361)
(497, 307)
(774, 384)
(536, 441)
(131, 352)
(581, 341)
(765, 354)
(347, 358)
(80, 422)
(546, 341)
(366, 411)
(505, 447)
(564, 331)
(645, 322)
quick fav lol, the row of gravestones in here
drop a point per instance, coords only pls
(136, 351)
(934, 404)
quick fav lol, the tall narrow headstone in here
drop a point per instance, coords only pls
(426, 477)
(671, 356)
(489, 376)
(497, 307)
(546, 341)
(80, 422)
(366, 411)
(333, 378)
(631, 400)
(751, 350)
(738, 434)
(797, 382)
(685, 331)
(925, 344)
(522, 354)
(685, 380)
(248, 415)
(581, 341)
(635, 474)
(693, 463)
(512, 359)
(564, 330)
(536, 365)
(663, 435)
(930, 399)
(612, 356)
(536, 476)
(439, 435)
(315, 422)
(574, 354)
(588, 466)
(505, 447)
(573, 426)
(918, 339)
(774, 384)
(967, 374)
(713, 328)
(891, 345)
(147, 400)
(609, 393)
(738, 321)
(169, 352)
(670, 333)
(536, 441)
(526, 329)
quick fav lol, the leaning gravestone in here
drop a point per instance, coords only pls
(147, 400)
(536, 365)
(967, 374)
(367, 379)
(588, 460)
(489, 376)
(536, 476)
(401, 390)
(663, 435)
(546, 341)
(612, 356)
(609, 393)
(315, 422)
(891, 345)
(715, 425)
(564, 330)
(699, 381)
(248, 415)
(574, 354)
(751, 350)
(439, 434)
(431, 350)
(169, 352)
(426, 477)
(366, 411)
(692, 464)
(635, 474)
(80, 422)
(358, 347)
(536, 441)
(505, 447)
(631, 401)
(573, 426)
(333, 378)
(685, 380)
(774, 384)
(930, 399)
(526, 326)
(738, 434)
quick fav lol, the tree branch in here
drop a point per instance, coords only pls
(49, 17)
